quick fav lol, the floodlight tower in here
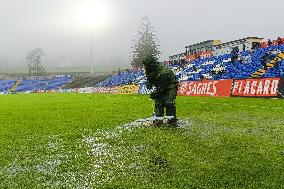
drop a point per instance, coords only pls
(94, 15)
(92, 53)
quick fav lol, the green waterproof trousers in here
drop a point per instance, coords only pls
(166, 101)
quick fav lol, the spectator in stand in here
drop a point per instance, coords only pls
(244, 47)
(198, 55)
(279, 41)
(255, 46)
(269, 43)
(182, 62)
(186, 52)
(268, 56)
(235, 54)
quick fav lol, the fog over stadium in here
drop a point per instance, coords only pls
(53, 26)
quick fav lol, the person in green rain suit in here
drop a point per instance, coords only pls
(164, 80)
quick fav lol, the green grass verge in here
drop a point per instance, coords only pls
(73, 141)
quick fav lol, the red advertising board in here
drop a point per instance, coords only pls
(192, 57)
(267, 87)
(205, 88)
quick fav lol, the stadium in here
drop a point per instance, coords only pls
(211, 70)
(82, 129)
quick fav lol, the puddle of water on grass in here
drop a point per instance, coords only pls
(108, 153)
(13, 170)
(122, 158)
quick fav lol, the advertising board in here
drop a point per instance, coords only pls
(205, 88)
(128, 89)
(267, 87)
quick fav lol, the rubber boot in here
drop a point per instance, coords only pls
(171, 111)
(159, 108)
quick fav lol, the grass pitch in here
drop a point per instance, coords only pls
(78, 141)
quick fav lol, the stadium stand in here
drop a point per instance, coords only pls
(34, 84)
(43, 84)
(5, 85)
(123, 78)
(241, 65)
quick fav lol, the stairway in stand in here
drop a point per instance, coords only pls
(14, 87)
(261, 71)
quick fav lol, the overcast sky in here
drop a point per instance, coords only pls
(52, 26)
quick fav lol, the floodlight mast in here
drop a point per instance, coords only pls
(92, 53)
(93, 15)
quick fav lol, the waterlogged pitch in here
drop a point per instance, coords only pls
(88, 141)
